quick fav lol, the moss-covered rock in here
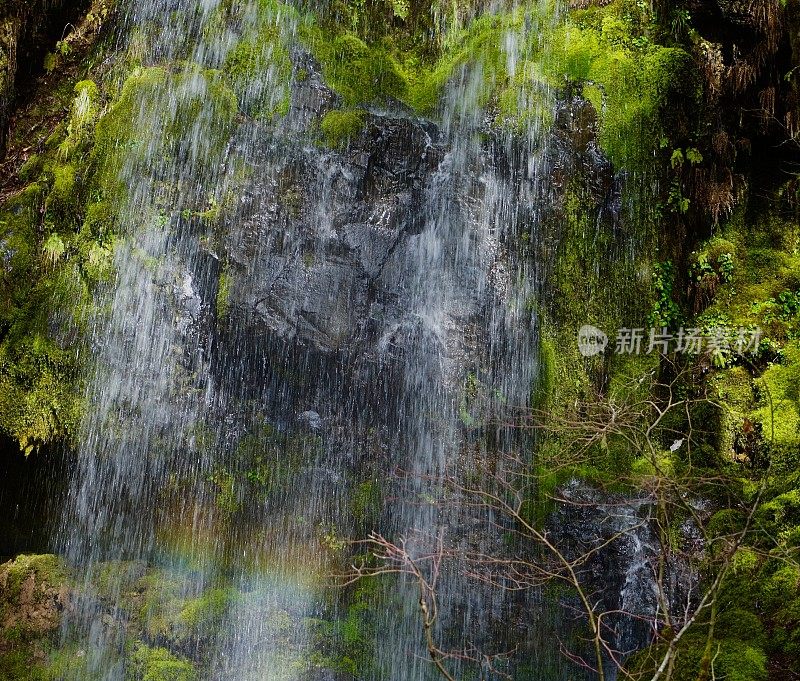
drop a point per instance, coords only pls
(158, 664)
(50, 262)
(259, 67)
(33, 595)
(339, 127)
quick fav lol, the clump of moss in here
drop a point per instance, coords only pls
(349, 641)
(158, 664)
(340, 127)
(223, 295)
(360, 73)
(179, 619)
(259, 66)
(84, 114)
(633, 83)
(31, 588)
(366, 503)
(143, 126)
(481, 44)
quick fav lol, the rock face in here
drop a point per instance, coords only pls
(348, 270)
(623, 571)
(317, 279)
(33, 595)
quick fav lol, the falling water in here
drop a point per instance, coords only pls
(288, 326)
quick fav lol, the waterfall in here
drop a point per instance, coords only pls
(289, 327)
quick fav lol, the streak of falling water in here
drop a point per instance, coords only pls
(469, 286)
(173, 404)
(152, 438)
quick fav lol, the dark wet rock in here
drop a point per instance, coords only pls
(310, 420)
(623, 570)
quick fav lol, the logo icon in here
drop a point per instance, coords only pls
(591, 341)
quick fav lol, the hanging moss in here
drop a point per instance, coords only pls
(636, 88)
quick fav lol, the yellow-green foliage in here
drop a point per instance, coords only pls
(349, 642)
(749, 275)
(53, 260)
(633, 83)
(38, 396)
(57, 235)
(779, 388)
(85, 110)
(479, 44)
(759, 291)
(340, 127)
(638, 87)
(360, 73)
(369, 66)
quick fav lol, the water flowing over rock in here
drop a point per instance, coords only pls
(291, 324)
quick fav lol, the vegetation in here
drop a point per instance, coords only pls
(692, 222)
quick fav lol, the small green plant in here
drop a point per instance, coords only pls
(680, 22)
(726, 266)
(53, 248)
(676, 200)
(665, 313)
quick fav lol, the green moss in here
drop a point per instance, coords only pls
(84, 114)
(349, 641)
(38, 400)
(18, 665)
(360, 73)
(367, 502)
(546, 379)
(29, 584)
(734, 659)
(63, 195)
(223, 295)
(177, 619)
(779, 410)
(259, 66)
(31, 168)
(139, 127)
(158, 664)
(526, 102)
(207, 611)
(69, 662)
(480, 44)
(46, 569)
(340, 127)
